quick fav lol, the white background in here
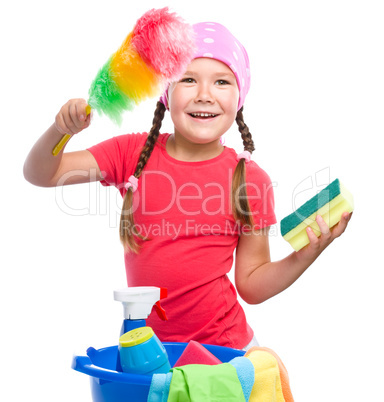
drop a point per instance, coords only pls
(316, 113)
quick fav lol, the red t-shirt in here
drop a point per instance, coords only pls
(185, 209)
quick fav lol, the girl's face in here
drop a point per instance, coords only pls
(203, 104)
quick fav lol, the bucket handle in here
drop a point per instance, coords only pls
(84, 365)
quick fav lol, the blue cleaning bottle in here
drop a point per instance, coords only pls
(138, 303)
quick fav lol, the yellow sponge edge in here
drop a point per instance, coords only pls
(330, 212)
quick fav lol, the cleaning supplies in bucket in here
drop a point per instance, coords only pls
(141, 352)
(109, 385)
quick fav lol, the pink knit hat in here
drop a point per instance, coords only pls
(215, 41)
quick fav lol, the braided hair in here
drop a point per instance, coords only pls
(240, 205)
(127, 223)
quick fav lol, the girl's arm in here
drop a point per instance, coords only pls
(43, 169)
(258, 279)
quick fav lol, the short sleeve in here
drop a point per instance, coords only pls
(260, 196)
(117, 157)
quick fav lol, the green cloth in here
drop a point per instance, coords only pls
(197, 383)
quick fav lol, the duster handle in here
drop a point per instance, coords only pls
(65, 138)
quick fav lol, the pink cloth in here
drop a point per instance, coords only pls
(184, 207)
(215, 41)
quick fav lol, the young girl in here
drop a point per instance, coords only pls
(189, 202)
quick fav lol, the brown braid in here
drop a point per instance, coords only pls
(244, 130)
(151, 140)
(127, 223)
(240, 205)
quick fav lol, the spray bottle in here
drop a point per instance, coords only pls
(135, 337)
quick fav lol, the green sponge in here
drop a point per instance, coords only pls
(330, 203)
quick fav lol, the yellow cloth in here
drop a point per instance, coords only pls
(271, 377)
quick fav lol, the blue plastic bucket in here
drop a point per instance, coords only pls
(109, 385)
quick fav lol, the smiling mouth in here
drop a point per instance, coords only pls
(203, 115)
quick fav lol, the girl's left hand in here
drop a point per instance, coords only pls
(318, 244)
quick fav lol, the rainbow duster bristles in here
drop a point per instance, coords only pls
(165, 42)
(154, 54)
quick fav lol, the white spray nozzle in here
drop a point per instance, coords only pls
(138, 301)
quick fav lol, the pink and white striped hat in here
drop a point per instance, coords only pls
(217, 42)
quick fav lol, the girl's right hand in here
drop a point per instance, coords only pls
(73, 117)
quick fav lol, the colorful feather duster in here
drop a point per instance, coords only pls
(155, 53)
